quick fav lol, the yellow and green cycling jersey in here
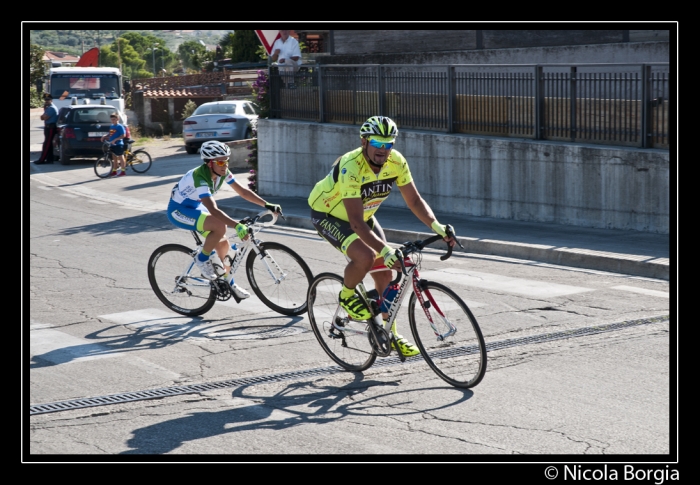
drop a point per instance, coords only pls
(352, 177)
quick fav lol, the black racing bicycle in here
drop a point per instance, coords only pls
(443, 326)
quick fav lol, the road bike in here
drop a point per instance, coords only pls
(139, 160)
(443, 326)
(277, 274)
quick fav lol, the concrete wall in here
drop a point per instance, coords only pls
(377, 41)
(575, 184)
(629, 52)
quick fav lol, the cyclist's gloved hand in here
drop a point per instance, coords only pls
(241, 230)
(273, 207)
(441, 229)
(390, 256)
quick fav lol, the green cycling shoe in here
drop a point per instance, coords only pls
(406, 347)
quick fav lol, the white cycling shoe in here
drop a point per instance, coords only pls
(239, 292)
(206, 268)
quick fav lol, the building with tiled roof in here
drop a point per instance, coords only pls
(66, 60)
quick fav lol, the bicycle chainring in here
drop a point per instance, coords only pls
(379, 340)
(223, 290)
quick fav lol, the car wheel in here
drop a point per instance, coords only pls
(248, 133)
(63, 156)
(190, 149)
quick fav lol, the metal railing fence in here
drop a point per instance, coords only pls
(615, 104)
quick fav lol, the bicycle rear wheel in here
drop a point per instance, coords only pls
(460, 358)
(103, 166)
(281, 278)
(347, 342)
(178, 283)
(140, 161)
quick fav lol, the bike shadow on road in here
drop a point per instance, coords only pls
(158, 333)
(299, 403)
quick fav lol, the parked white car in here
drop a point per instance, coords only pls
(219, 120)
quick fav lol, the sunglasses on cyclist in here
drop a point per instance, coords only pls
(381, 144)
(221, 163)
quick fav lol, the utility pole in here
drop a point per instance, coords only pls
(153, 51)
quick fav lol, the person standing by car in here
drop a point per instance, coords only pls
(287, 54)
(50, 118)
(116, 136)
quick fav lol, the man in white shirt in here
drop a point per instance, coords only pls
(287, 54)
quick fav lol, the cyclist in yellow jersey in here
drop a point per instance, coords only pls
(343, 206)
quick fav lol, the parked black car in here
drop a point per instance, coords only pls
(78, 131)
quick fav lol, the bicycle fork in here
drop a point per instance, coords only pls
(267, 259)
(426, 305)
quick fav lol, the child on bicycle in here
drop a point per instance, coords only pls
(343, 206)
(116, 136)
(192, 207)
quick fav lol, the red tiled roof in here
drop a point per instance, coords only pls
(60, 56)
(183, 93)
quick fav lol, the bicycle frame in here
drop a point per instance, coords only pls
(235, 258)
(409, 272)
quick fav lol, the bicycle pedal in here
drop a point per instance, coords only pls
(395, 345)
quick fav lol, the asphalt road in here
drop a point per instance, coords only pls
(581, 363)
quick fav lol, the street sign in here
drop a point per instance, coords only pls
(268, 38)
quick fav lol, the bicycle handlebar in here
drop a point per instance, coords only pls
(412, 247)
(255, 220)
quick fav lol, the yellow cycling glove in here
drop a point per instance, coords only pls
(390, 256)
(241, 230)
(439, 228)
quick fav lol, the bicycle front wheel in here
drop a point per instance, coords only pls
(345, 341)
(140, 161)
(178, 283)
(448, 336)
(103, 166)
(280, 278)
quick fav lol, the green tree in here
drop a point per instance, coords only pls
(191, 52)
(37, 68)
(244, 45)
(143, 44)
(133, 66)
(188, 109)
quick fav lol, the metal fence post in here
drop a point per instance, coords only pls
(539, 102)
(572, 103)
(451, 98)
(646, 104)
(380, 90)
(321, 110)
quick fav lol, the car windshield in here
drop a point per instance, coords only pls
(209, 109)
(88, 115)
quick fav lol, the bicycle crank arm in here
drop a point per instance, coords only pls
(379, 339)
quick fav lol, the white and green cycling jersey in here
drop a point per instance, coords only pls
(197, 184)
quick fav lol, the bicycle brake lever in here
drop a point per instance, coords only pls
(403, 266)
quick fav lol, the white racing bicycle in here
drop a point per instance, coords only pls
(277, 274)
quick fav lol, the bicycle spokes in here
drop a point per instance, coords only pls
(429, 305)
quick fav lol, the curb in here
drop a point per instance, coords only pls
(657, 268)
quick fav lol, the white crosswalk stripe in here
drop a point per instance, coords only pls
(506, 284)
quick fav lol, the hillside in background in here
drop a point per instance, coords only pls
(76, 42)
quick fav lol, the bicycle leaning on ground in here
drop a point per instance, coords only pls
(139, 160)
(443, 327)
(277, 274)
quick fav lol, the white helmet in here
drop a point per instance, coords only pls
(214, 149)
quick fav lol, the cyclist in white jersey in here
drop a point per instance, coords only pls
(192, 206)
